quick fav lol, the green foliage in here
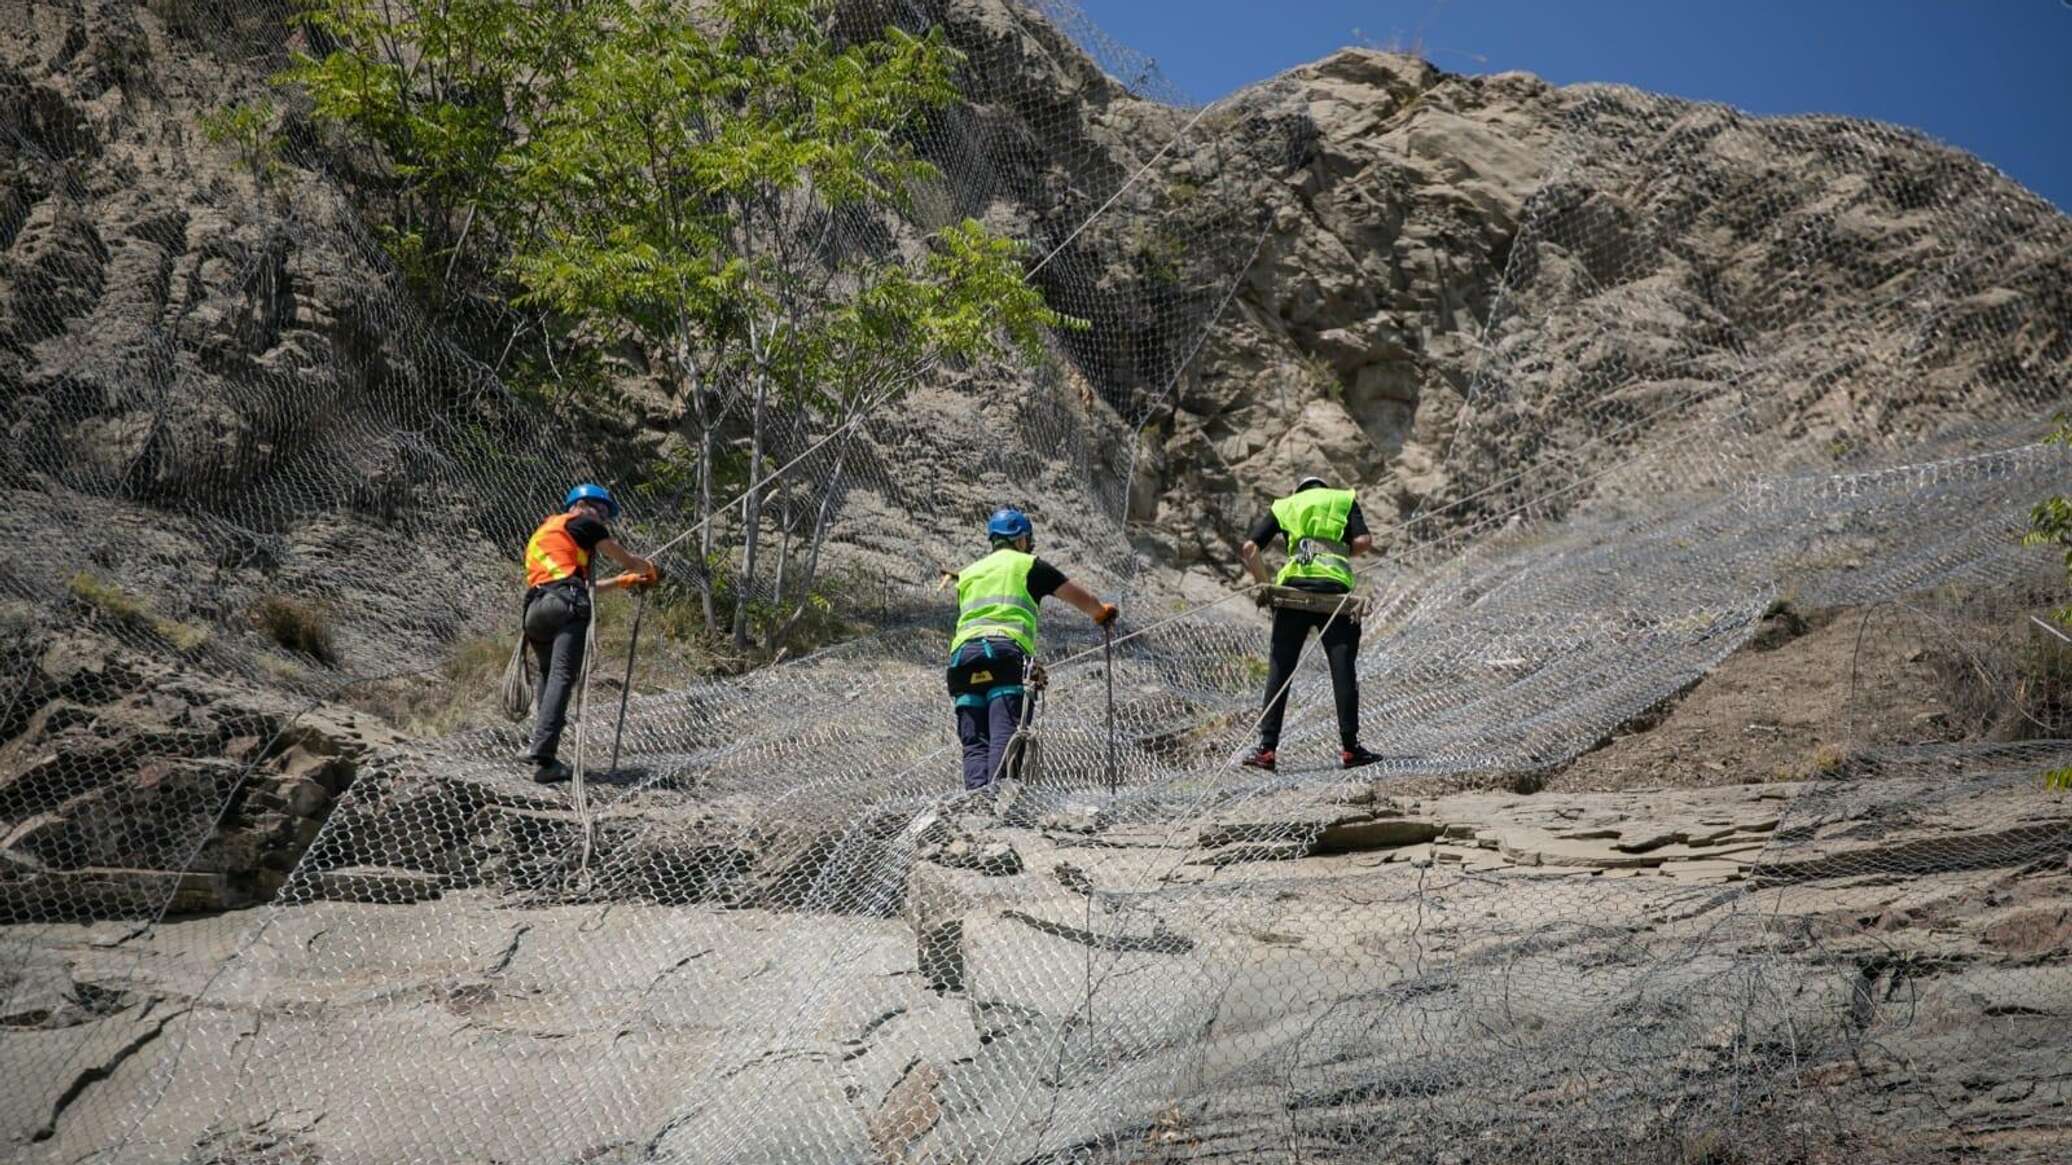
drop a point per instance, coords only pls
(2060, 778)
(2050, 520)
(247, 128)
(440, 90)
(1160, 252)
(689, 170)
(653, 177)
(135, 612)
(672, 176)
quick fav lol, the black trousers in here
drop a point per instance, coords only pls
(1341, 645)
(557, 623)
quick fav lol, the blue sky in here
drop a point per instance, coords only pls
(1990, 76)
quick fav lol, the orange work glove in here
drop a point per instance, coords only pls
(654, 573)
(630, 579)
(1107, 615)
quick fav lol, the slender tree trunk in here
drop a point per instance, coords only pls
(752, 506)
(821, 520)
(783, 543)
(702, 414)
(706, 516)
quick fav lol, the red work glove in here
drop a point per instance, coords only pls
(1107, 615)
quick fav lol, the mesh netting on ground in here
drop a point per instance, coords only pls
(1738, 374)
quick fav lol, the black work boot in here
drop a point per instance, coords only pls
(1357, 757)
(553, 772)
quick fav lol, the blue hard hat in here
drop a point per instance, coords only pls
(1008, 522)
(592, 492)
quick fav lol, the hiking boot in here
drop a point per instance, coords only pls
(1357, 757)
(1260, 758)
(552, 773)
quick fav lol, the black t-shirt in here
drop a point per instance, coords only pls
(1268, 528)
(587, 532)
(1044, 580)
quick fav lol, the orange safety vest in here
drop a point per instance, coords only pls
(551, 555)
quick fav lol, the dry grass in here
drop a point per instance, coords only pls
(675, 650)
(461, 694)
(1825, 760)
(136, 612)
(300, 627)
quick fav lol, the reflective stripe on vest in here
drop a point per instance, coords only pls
(551, 555)
(1314, 521)
(993, 599)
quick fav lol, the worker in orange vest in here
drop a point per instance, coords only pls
(557, 609)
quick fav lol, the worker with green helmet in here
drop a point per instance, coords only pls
(1324, 530)
(995, 638)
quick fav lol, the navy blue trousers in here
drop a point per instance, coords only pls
(985, 680)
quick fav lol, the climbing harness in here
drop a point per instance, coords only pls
(1323, 551)
(1321, 602)
(1026, 746)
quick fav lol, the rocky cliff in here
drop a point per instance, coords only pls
(1712, 829)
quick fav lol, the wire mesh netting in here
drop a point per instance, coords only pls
(1749, 398)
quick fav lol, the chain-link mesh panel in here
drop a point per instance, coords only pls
(1692, 394)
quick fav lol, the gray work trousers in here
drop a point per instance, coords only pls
(557, 623)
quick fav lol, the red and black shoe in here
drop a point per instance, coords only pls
(1260, 758)
(1357, 757)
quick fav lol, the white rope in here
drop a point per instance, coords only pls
(1124, 188)
(579, 790)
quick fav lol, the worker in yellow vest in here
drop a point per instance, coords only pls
(1324, 529)
(995, 639)
(557, 609)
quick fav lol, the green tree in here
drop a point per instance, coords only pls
(246, 127)
(681, 181)
(442, 90)
(2050, 520)
(2050, 524)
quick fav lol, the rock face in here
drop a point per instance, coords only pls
(772, 941)
(1259, 998)
(136, 786)
(1463, 273)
